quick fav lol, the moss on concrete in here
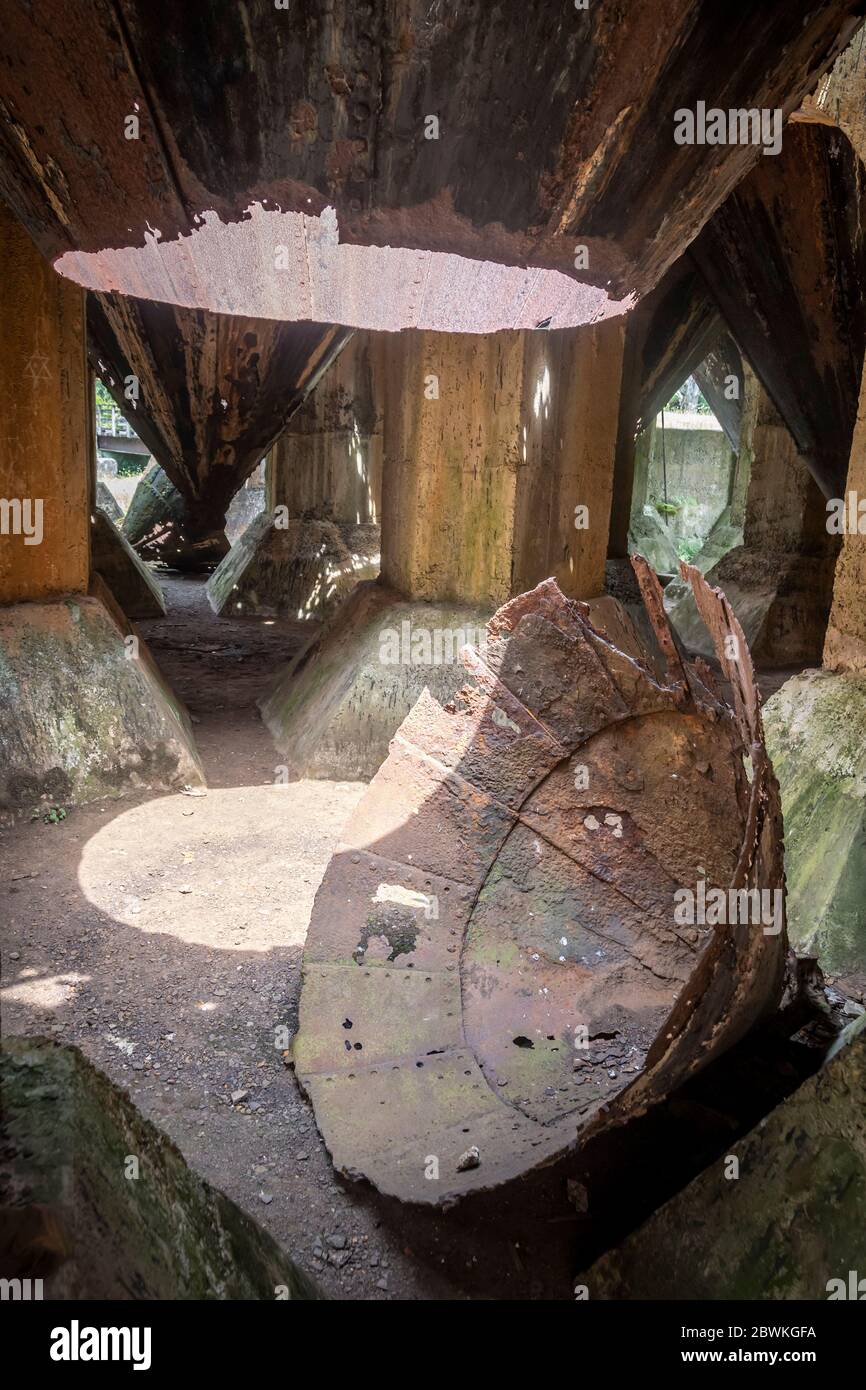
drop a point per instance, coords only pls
(305, 569)
(128, 578)
(816, 733)
(82, 715)
(132, 1219)
(790, 1222)
(333, 711)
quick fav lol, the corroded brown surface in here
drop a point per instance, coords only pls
(508, 880)
(840, 97)
(667, 336)
(722, 381)
(785, 260)
(215, 390)
(555, 125)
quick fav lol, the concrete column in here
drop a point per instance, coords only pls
(492, 443)
(494, 446)
(328, 461)
(816, 734)
(784, 507)
(779, 580)
(44, 459)
(319, 533)
(85, 712)
(845, 647)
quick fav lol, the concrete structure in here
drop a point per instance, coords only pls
(699, 466)
(497, 473)
(791, 296)
(169, 1235)
(442, 264)
(128, 578)
(779, 581)
(784, 1224)
(84, 712)
(319, 534)
(211, 394)
(354, 180)
(816, 731)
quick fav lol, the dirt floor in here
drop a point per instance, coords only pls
(163, 935)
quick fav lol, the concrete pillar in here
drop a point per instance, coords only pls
(816, 734)
(327, 463)
(84, 713)
(44, 443)
(492, 443)
(497, 473)
(784, 507)
(319, 533)
(779, 580)
(845, 647)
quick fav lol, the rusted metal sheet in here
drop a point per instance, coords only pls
(215, 390)
(555, 127)
(494, 961)
(676, 327)
(668, 335)
(722, 381)
(785, 260)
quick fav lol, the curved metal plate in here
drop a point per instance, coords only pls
(493, 961)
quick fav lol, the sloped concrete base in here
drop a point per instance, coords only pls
(816, 734)
(81, 715)
(126, 575)
(335, 708)
(305, 569)
(156, 526)
(649, 536)
(107, 503)
(723, 537)
(91, 1229)
(787, 1225)
(781, 600)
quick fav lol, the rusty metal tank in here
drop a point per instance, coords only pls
(500, 960)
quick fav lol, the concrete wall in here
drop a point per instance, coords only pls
(700, 466)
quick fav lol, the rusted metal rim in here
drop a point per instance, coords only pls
(497, 963)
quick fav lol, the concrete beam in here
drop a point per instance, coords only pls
(720, 377)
